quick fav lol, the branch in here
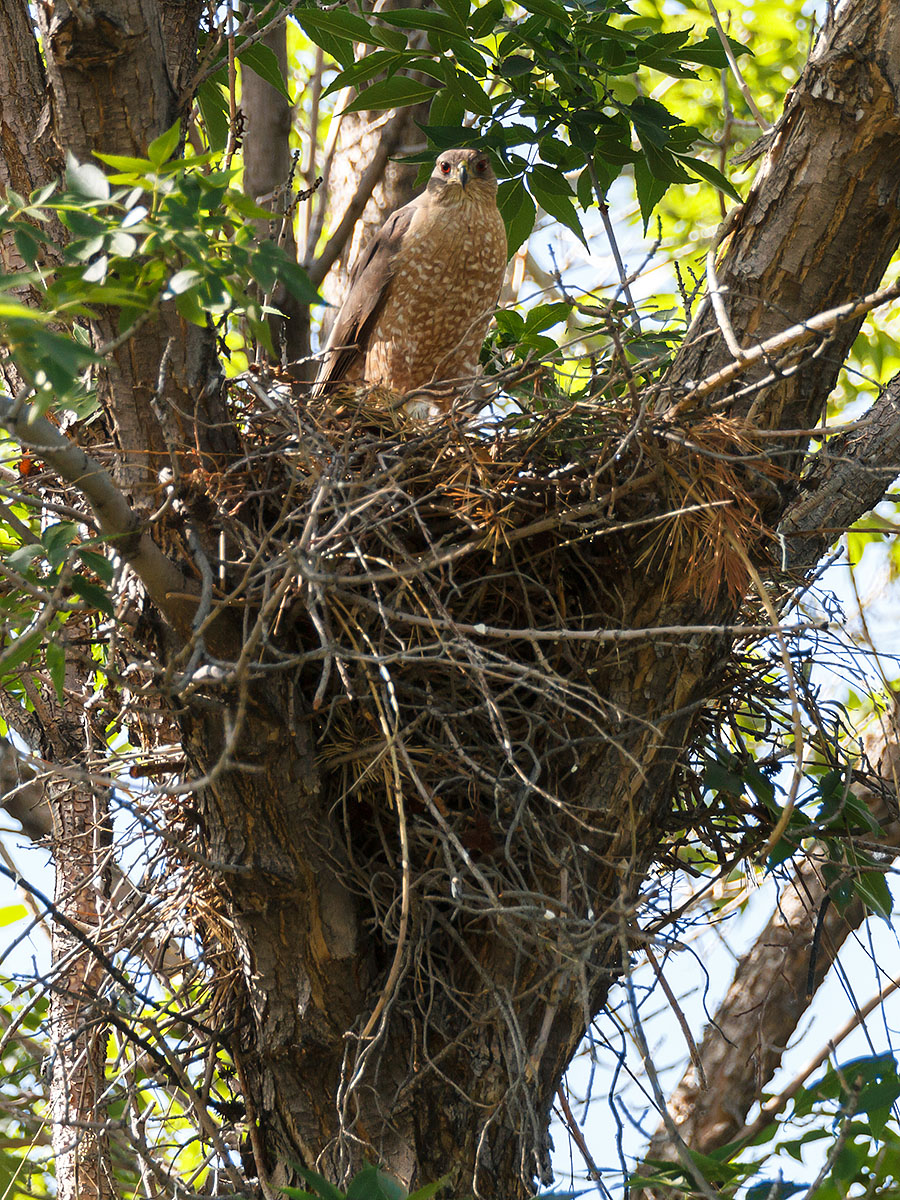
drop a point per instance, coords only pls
(814, 234)
(848, 478)
(391, 137)
(775, 982)
(787, 339)
(119, 525)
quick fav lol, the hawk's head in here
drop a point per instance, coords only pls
(462, 175)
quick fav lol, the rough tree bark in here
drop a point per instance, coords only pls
(110, 88)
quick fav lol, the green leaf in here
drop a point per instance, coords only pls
(189, 306)
(92, 594)
(709, 52)
(96, 271)
(298, 283)
(55, 658)
(162, 148)
(447, 109)
(262, 60)
(476, 98)
(336, 29)
(98, 563)
(372, 1184)
(320, 1186)
(12, 310)
(545, 316)
(464, 52)
(874, 892)
(484, 19)
(550, 179)
(662, 164)
(774, 1189)
(429, 1190)
(784, 849)
(711, 174)
(19, 650)
(85, 179)
(514, 65)
(719, 778)
(60, 358)
(427, 21)
(552, 192)
(214, 110)
(518, 212)
(397, 92)
(56, 540)
(121, 162)
(182, 281)
(458, 9)
(650, 190)
(370, 65)
(28, 243)
(42, 194)
(546, 8)
(22, 557)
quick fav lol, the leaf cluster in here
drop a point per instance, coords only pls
(543, 92)
(154, 230)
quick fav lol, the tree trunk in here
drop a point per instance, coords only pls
(111, 90)
(78, 1033)
(268, 176)
(425, 1030)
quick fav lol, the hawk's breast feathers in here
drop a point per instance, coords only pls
(423, 292)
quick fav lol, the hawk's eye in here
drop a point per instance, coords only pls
(445, 168)
(481, 165)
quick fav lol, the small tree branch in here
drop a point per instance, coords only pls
(736, 70)
(119, 525)
(392, 136)
(849, 476)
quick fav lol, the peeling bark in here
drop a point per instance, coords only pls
(110, 89)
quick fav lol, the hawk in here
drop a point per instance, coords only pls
(423, 292)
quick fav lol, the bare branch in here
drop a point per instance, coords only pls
(119, 524)
(848, 477)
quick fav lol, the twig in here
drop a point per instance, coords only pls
(613, 244)
(637, 1029)
(772, 1107)
(679, 1016)
(388, 141)
(736, 71)
(715, 295)
(802, 331)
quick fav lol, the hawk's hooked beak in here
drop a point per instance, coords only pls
(463, 174)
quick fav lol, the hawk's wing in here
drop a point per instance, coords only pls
(370, 281)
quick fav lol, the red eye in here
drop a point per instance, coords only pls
(481, 165)
(445, 168)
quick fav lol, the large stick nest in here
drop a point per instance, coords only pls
(448, 598)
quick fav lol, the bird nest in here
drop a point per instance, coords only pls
(448, 599)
